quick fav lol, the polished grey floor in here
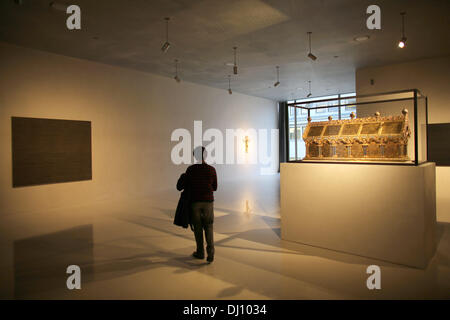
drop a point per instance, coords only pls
(131, 250)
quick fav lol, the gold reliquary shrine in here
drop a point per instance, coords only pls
(359, 139)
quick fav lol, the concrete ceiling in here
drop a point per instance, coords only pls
(267, 33)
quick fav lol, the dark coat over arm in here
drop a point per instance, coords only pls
(182, 214)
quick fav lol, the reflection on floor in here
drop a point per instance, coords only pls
(133, 251)
(40, 262)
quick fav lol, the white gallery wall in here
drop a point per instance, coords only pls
(432, 78)
(133, 115)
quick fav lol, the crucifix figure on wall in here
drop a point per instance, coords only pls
(246, 141)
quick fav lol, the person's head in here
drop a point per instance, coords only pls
(199, 153)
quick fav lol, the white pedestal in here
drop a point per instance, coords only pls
(385, 212)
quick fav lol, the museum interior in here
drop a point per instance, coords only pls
(328, 124)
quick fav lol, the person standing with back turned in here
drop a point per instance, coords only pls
(202, 179)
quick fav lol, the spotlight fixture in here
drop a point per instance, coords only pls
(402, 42)
(278, 77)
(166, 44)
(310, 55)
(362, 38)
(177, 79)
(57, 6)
(235, 68)
(229, 85)
(309, 94)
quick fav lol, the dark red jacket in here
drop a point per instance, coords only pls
(202, 179)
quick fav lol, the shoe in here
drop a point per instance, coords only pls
(198, 256)
(210, 259)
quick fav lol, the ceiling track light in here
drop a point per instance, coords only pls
(402, 42)
(309, 94)
(166, 44)
(56, 6)
(229, 85)
(278, 77)
(310, 55)
(177, 79)
(235, 68)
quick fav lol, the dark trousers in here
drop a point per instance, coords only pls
(203, 219)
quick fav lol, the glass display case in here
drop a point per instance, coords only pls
(378, 128)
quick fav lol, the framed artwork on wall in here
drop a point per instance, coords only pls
(48, 151)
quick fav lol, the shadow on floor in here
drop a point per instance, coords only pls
(40, 263)
(263, 263)
(132, 264)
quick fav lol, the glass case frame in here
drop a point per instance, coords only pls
(420, 115)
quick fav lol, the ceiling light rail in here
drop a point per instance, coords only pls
(278, 77)
(165, 47)
(402, 42)
(310, 55)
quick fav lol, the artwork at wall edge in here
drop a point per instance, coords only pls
(439, 143)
